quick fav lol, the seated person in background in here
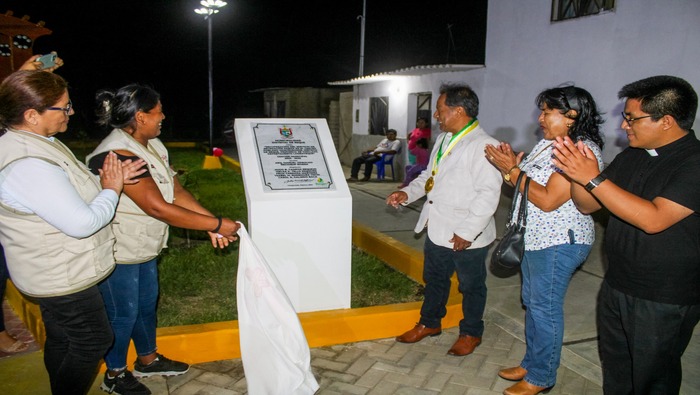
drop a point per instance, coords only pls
(422, 131)
(419, 150)
(390, 145)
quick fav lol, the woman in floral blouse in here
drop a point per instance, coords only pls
(558, 237)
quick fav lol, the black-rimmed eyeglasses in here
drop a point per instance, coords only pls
(630, 120)
(65, 109)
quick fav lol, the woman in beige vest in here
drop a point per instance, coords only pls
(53, 217)
(141, 227)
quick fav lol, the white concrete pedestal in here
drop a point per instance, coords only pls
(299, 208)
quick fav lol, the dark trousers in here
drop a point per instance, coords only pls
(77, 336)
(438, 266)
(368, 161)
(641, 343)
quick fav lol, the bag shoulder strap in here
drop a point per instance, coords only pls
(522, 213)
(515, 196)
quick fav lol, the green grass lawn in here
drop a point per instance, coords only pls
(198, 283)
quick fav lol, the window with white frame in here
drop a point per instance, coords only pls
(568, 9)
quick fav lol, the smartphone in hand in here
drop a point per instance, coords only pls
(47, 61)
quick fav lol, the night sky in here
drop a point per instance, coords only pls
(256, 44)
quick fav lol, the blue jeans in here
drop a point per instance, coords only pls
(438, 266)
(642, 342)
(130, 295)
(546, 276)
(77, 336)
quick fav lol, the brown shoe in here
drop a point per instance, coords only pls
(352, 179)
(464, 345)
(525, 388)
(418, 333)
(513, 374)
(364, 179)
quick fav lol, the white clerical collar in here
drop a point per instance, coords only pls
(652, 152)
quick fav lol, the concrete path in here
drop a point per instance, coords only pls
(386, 367)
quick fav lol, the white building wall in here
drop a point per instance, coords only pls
(526, 53)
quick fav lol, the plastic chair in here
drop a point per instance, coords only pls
(382, 163)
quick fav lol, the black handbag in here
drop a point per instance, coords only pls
(509, 251)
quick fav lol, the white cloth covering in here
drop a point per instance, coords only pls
(274, 350)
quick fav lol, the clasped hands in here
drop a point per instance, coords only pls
(503, 157)
(576, 160)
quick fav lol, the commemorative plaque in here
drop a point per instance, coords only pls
(291, 157)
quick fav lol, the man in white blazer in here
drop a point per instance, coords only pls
(462, 191)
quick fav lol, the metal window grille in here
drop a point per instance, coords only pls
(423, 104)
(568, 9)
(378, 115)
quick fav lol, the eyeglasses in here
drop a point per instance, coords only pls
(630, 120)
(65, 109)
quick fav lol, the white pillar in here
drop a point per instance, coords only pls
(299, 208)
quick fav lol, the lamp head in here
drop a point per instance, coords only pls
(213, 3)
(210, 7)
(205, 11)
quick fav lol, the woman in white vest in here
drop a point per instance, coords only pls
(53, 217)
(141, 228)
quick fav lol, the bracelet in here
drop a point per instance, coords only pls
(218, 227)
(506, 176)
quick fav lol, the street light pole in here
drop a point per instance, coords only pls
(211, 89)
(362, 37)
(209, 8)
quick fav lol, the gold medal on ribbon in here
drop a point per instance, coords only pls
(429, 184)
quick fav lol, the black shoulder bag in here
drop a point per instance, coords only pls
(509, 251)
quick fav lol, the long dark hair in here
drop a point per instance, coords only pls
(118, 109)
(585, 115)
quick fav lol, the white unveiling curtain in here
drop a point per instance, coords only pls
(274, 350)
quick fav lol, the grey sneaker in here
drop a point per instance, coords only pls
(161, 366)
(124, 384)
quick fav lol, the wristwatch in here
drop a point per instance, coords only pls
(507, 175)
(595, 182)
